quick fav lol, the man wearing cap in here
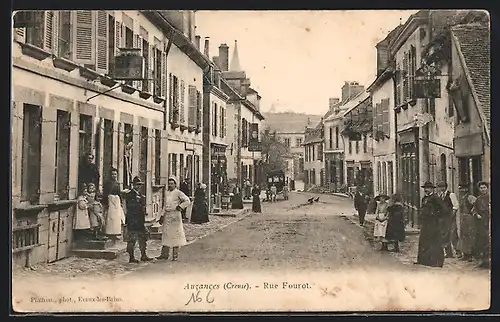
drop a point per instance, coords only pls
(430, 244)
(172, 229)
(135, 221)
(482, 210)
(449, 220)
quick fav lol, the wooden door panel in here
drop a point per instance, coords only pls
(63, 237)
(53, 232)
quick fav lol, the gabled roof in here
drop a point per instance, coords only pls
(473, 44)
(350, 105)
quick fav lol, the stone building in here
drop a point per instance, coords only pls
(66, 103)
(313, 156)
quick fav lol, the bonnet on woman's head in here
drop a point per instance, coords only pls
(172, 178)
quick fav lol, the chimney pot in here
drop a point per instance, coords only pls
(197, 41)
(207, 46)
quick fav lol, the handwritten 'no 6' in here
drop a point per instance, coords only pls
(196, 298)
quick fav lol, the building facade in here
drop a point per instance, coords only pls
(470, 92)
(334, 151)
(313, 156)
(67, 104)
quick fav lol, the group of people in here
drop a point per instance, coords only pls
(449, 227)
(102, 216)
(237, 198)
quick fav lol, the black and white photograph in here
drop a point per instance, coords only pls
(250, 161)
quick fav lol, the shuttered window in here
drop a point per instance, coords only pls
(385, 117)
(171, 98)
(158, 64)
(84, 48)
(102, 42)
(63, 126)
(214, 119)
(198, 109)
(31, 154)
(157, 157)
(221, 115)
(398, 85)
(147, 66)
(182, 97)
(412, 62)
(191, 106)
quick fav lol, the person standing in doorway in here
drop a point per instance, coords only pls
(467, 228)
(430, 242)
(115, 215)
(171, 220)
(361, 204)
(482, 214)
(449, 220)
(135, 221)
(248, 188)
(88, 171)
(184, 187)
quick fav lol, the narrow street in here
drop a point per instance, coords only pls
(308, 246)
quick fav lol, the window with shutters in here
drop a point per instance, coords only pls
(35, 32)
(191, 106)
(85, 137)
(398, 84)
(157, 157)
(182, 100)
(405, 76)
(330, 138)
(350, 146)
(412, 62)
(173, 164)
(129, 43)
(298, 142)
(244, 133)
(31, 154)
(357, 147)
(64, 44)
(108, 149)
(365, 144)
(287, 142)
(223, 122)
(157, 77)
(61, 182)
(112, 50)
(214, 119)
(320, 152)
(174, 98)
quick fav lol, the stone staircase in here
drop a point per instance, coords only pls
(99, 249)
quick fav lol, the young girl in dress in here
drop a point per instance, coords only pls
(95, 212)
(381, 221)
(81, 223)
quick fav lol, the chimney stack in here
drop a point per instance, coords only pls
(197, 41)
(207, 46)
(333, 104)
(350, 90)
(224, 57)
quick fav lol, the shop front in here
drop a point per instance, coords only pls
(218, 169)
(470, 153)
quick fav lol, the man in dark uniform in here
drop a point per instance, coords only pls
(184, 187)
(361, 204)
(430, 242)
(135, 220)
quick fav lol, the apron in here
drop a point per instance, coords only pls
(173, 230)
(115, 216)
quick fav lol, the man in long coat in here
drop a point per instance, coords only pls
(430, 242)
(87, 171)
(361, 204)
(449, 220)
(135, 221)
(482, 213)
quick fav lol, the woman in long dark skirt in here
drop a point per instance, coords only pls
(256, 199)
(396, 222)
(199, 213)
(237, 201)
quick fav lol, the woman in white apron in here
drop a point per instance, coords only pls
(172, 227)
(115, 217)
(381, 220)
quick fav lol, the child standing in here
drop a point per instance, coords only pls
(95, 210)
(82, 222)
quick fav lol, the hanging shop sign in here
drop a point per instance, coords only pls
(129, 65)
(253, 143)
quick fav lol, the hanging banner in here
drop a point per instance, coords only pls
(253, 143)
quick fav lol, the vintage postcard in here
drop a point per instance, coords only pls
(263, 161)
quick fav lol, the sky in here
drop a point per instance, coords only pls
(296, 60)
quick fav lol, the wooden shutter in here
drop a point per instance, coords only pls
(170, 98)
(181, 104)
(56, 18)
(20, 34)
(84, 37)
(385, 111)
(48, 30)
(163, 84)
(225, 124)
(151, 69)
(375, 117)
(102, 62)
(137, 41)
(413, 67)
(192, 105)
(118, 37)
(380, 116)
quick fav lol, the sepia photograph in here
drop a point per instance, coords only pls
(194, 161)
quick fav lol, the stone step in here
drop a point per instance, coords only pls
(109, 253)
(93, 244)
